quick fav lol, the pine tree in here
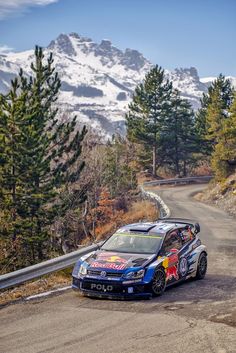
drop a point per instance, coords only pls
(12, 122)
(213, 111)
(224, 154)
(178, 137)
(148, 109)
(39, 156)
(214, 122)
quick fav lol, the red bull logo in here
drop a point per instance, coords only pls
(115, 258)
(172, 272)
(110, 261)
(108, 265)
(170, 265)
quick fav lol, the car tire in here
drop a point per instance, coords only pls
(158, 282)
(202, 266)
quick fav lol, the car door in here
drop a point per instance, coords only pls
(170, 249)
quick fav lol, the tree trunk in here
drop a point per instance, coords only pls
(154, 160)
(185, 169)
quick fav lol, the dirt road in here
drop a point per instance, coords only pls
(197, 316)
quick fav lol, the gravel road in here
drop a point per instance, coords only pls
(197, 316)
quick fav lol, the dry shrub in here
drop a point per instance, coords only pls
(46, 283)
(203, 168)
(138, 211)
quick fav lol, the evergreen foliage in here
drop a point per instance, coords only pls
(148, 110)
(163, 122)
(214, 106)
(178, 138)
(38, 157)
(216, 126)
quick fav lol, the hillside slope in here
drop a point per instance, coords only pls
(222, 194)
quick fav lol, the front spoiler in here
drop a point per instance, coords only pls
(113, 296)
(107, 295)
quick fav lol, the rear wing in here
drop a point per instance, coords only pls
(185, 221)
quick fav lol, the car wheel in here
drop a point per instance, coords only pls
(158, 282)
(202, 266)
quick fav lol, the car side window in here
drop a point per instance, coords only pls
(172, 241)
(167, 244)
(186, 234)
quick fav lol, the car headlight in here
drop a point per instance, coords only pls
(135, 274)
(83, 270)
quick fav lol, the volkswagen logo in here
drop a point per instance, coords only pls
(183, 266)
(103, 274)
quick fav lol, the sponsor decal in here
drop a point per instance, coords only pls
(198, 243)
(113, 258)
(173, 259)
(108, 265)
(170, 264)
(110, 261)
(183, 266)
(172, 272)
(101, 287)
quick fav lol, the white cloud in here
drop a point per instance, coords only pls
(9, 7)
(5, 49)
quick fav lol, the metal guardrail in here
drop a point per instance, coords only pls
(59, 263)
(175, 181)
(163, 208)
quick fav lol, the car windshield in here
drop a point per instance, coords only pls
(133, 243)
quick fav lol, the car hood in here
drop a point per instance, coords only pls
(118, 261)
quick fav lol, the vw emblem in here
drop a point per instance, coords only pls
(103, 274)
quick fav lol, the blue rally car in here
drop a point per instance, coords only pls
(141, 259)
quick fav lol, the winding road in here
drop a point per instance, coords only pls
(197, 316)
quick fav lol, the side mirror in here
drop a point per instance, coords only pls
(197, 228)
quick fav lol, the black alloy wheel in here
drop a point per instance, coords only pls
(158, 282)
(202, 266)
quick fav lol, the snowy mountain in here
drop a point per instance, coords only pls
(98, 79)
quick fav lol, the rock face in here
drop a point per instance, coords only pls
(189, 84)
(98, 80)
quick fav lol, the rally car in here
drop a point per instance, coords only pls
(142, 259)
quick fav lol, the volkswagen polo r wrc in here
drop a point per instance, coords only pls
(142, 259)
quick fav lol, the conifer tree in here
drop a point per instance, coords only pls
(148, 109)
(39, 155)
(224, 154)
(214, 122)
(178, 137)
(213, 111)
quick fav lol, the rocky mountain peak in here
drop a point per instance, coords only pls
(134, 59)
(105, 44)
(63, 45)
(79, 38)
(186, 72)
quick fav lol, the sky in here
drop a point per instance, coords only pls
(170, 33)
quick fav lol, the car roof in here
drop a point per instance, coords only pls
(160, 227)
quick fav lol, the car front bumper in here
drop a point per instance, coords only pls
(116, 289)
